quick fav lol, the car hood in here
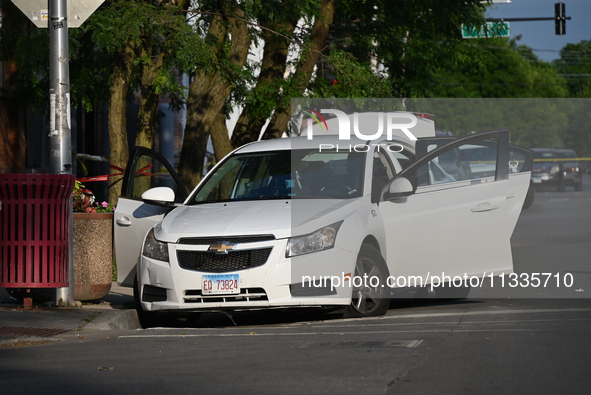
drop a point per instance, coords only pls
(282, 218)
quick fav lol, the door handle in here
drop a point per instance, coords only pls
(482, 207)
(123, 221)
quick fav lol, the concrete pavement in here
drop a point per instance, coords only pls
(45, 323)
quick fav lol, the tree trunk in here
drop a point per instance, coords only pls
(269, 83)
(208, 93)
(119, 150)
(149, 100)
(147, 114)
(301, 77)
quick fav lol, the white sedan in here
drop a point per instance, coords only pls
(296, 222)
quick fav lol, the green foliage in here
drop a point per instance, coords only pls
(352, 78)
(496, 67)
(575, 65)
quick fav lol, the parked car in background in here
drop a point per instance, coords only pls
(572, 171)
(553, 168)
(545, 168)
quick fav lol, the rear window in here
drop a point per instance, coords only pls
(543, 155)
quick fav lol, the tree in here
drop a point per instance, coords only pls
(142, 39)
(575, 65)
(374, 48)
(400, 37)
(497, 67)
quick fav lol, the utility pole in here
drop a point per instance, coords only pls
(60, 133)
(60, 136)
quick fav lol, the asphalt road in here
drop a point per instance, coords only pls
(501, 340)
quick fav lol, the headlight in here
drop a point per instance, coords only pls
(155, 249)
(554, 169)
(322, 239)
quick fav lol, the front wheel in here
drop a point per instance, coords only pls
(147, 319)
(172, 319)
(561, 184)
(370, 293)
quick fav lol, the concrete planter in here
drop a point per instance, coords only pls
(93, 255)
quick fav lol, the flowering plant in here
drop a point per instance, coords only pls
(84, 201)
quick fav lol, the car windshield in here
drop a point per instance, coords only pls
(286, 174)
(566, 154)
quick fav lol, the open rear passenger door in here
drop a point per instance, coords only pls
(464, 210)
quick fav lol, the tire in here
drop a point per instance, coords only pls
(529, 198)
(561, 185)
(368, 300)
(449, 291)
(147, 318)
(150, 319)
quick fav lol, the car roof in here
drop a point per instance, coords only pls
(289, 143)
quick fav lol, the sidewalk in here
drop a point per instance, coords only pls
(113, 312)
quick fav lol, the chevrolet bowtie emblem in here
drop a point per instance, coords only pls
(222, 247)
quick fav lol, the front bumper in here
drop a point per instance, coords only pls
(316, 279)
(544, 179)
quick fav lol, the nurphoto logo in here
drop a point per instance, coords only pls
(349, 124)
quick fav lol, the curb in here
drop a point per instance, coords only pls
(114, 320)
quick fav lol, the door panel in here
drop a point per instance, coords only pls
(133, 218)
(457, 222)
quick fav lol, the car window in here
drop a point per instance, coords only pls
(544, 155)
(519, 160)
(472, 161)
(147, 171)
(566, 154)
(284, 174)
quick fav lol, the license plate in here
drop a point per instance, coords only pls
(220, 284)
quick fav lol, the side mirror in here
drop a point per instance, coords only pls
(159, 196)
(399, 188)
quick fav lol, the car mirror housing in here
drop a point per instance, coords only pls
(399, 188)
(159, 196)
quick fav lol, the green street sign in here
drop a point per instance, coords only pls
(491, 29)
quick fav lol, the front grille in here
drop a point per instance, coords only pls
(245, 295)
(205, 261)
(230, 239)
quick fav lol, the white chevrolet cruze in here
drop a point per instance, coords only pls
(301, 222)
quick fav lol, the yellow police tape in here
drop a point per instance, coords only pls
(562, 160)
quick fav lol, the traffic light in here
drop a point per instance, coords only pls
(559, 19)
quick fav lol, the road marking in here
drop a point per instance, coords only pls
(324, 333)
(261, 331)
(465, 313)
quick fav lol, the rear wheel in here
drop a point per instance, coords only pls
(370, 293)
